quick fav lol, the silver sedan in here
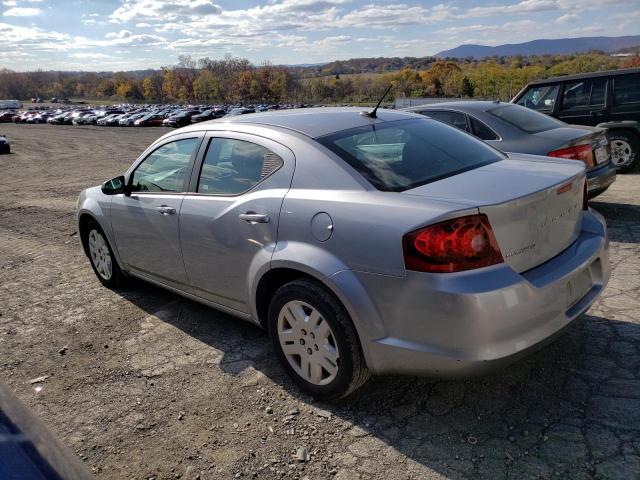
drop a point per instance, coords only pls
(513, 128)
(384, 243)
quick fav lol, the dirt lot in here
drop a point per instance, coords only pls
(144, 384)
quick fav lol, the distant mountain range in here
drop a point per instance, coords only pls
(543, 47)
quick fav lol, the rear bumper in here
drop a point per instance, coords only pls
(600, 179)
(463, 324)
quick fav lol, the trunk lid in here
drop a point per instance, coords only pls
(534, 204)
(571, 136)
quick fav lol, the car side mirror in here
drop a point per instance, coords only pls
(114, 186)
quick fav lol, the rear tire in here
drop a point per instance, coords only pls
(625, 150)
(101, 257)
(323, 354)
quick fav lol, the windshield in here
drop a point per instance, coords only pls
(525, 119)
(397, 156)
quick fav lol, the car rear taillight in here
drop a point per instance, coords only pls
(579, 152)
(454, 245)
(585, 195)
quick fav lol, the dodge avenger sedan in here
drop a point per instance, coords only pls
(363, 243)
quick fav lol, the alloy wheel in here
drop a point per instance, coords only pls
(621, 153)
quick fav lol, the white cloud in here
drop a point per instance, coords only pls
(22, 12)
(92, 55)
(566, 18)
(120, 34)
(30, 37)
(382, 16)
(163, 9)
(483, 28)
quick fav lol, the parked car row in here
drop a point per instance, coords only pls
(133, 116)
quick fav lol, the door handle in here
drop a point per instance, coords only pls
(253, 217)
(165, 210)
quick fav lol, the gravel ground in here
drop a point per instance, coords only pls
(144, 384)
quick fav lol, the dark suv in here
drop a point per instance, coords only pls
(605, 99)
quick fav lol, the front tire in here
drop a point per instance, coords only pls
(625, 150)
(316, 341)
(101, 257)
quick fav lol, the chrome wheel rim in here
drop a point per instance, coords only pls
(100, 256)
(308, 343)
(621, 153)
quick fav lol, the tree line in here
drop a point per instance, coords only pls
(236, 80)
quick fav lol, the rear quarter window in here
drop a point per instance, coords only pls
(400, 155)
(626, 89)
(481, 131)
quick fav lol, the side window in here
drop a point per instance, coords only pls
(165, 169)
(231, 167)
(455, 119)
(481, 131)
(540, 98)
(584, 93)
(626, 89)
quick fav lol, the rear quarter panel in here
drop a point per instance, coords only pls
(367, 225)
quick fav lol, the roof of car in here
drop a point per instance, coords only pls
(580, 76)
(314, 122)
(463, 105)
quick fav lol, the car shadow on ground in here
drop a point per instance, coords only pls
(623, 220)
(571, 408)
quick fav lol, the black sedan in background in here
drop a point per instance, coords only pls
(512, 128)
(6, 117)
(180, 119)
(5, 146)
(149, 120)
(209, 114)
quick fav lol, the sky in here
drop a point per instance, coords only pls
(109, 35)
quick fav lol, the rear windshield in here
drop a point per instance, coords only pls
(397, 156)
(525, 119)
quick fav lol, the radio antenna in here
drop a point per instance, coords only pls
(372, 113)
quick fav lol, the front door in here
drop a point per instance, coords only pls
(229, 221)
(146, 222)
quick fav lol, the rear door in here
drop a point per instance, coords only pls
(583, 102)
(229, 219)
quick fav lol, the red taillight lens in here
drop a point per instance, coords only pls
(585, 195)
(579, 152)
(455, 245)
